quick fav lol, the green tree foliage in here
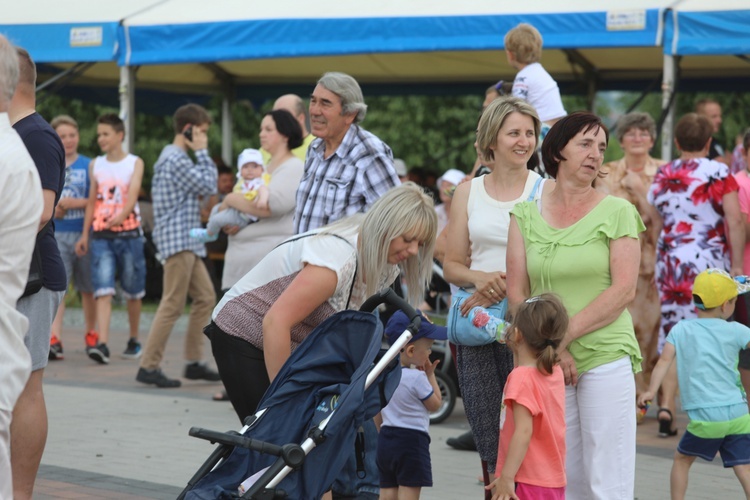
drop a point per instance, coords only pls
(431, 132)
(735, 110)
(425, 131)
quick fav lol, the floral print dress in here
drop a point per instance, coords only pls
(688, 195)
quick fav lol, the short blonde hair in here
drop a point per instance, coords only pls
(63, 120)
(494, 116)
(525, 43)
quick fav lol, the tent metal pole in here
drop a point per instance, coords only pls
(70, 73)
(226, 124)
(668, 104)
(127, 104)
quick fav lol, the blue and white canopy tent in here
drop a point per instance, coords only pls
(708, 40)
(419, 46)
(420, 41)
(250, 48)
(83, 36)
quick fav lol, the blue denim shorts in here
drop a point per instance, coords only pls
(118, 258)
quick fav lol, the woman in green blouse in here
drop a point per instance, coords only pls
(583, 245)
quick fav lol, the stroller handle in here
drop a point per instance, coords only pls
(388, 296)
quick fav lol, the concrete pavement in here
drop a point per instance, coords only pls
(111, 437)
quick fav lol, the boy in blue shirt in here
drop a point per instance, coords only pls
(710, 392)
(69, 215)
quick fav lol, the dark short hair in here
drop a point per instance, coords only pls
(693, 132)
(189, 114)
(562, 132)
(113, 121)
(224, 170)
(288, 126)
(27, 67)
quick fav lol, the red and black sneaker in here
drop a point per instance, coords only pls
(92, 338)
(55, 349)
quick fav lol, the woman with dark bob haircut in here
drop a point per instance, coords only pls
(694, 200)
(279, 134)
(583, 245)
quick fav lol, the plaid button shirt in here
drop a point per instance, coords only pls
(175, 188)
(350, 181)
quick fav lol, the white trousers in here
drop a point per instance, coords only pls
(600, 436)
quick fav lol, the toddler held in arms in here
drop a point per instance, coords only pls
(252, 185)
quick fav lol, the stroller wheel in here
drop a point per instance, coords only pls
(449, 393)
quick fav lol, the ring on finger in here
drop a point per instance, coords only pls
(492, 291)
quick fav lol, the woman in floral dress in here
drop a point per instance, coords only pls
(697, 201)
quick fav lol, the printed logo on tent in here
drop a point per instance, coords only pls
(626, 20)
(90, 36)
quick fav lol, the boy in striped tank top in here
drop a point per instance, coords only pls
(116, 239)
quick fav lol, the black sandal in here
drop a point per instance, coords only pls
(665, 426)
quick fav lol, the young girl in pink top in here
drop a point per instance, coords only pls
(531, 451)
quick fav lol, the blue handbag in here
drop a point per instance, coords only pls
(462, 329)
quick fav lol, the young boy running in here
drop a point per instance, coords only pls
(116, 240)
(707, 350)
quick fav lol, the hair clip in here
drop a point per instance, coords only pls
(531, 300)
(499, 86)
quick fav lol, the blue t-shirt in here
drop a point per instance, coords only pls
(707, 352)
(77, 185)
(46, 149)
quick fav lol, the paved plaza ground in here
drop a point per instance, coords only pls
(111, 437)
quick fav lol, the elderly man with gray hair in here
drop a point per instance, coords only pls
(346, 171)
(347, 168)
(21, 192)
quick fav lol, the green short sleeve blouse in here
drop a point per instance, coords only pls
(574, 263)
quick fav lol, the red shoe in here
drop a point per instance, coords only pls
(92, 338)
(55, 349)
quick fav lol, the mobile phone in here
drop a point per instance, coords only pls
(188, 133)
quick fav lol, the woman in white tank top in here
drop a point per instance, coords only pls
(475, 257)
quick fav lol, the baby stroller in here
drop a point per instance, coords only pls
(334, 381)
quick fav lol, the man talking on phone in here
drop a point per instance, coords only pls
(177, 186)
